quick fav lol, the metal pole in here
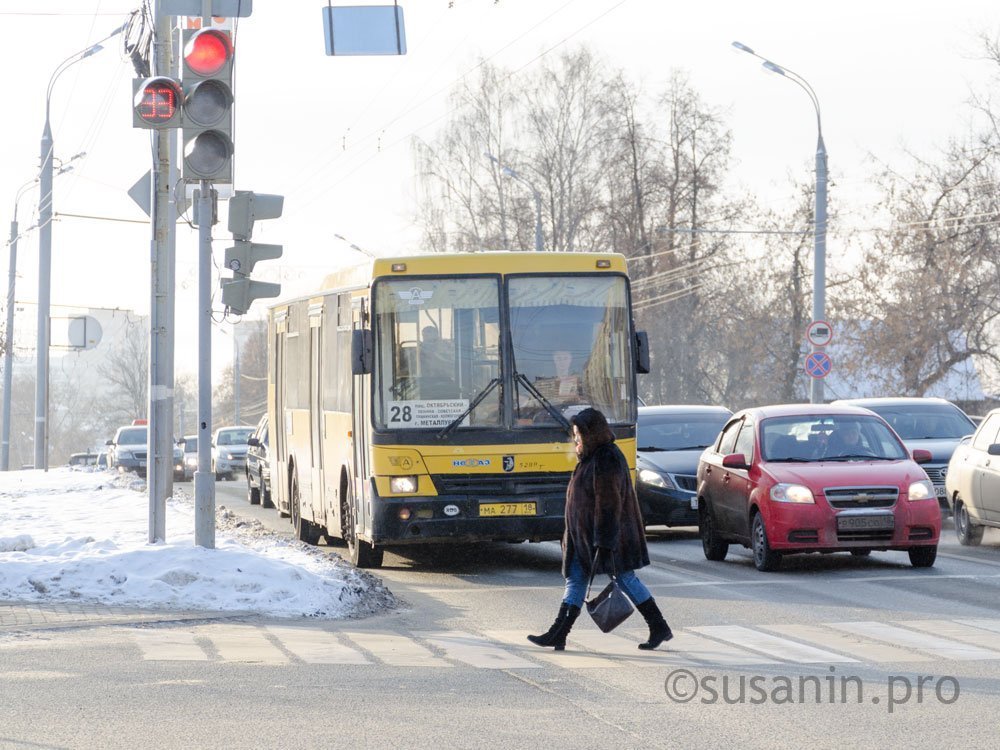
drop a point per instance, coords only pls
(819, 259)
(160, 460)
(8, 355)
(204, 479)
(236, 378)
(538, 220)
(44, 288)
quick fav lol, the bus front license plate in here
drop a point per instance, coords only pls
(490, 510)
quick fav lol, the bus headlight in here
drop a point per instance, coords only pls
(403, 485)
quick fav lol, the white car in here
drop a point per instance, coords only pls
(229, 451)
(973, 481)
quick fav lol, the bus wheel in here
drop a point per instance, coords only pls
(362, 554)
(305, 531)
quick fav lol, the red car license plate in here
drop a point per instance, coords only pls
(865, 522)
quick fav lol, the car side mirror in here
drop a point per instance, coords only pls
(735, 461)
(994, 450)
(922, 456)
(253, 442)
(109, 442)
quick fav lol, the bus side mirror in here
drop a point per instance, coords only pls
(361, 351)
(641, 352)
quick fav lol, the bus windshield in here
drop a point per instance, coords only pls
(437, 349)
(570, 340)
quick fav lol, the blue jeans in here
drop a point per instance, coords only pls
(577, 581)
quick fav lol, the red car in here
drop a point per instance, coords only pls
(815, 478)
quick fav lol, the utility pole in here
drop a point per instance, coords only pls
(204, 477)
(236, 378)
(162, 261)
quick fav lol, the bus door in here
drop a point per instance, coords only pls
(317, 423)
(279, 430)
(361, 402)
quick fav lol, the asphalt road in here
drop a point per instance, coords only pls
(831, 651)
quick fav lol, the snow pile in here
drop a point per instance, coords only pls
(82, 536)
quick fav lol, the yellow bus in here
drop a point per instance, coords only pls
(425, 399)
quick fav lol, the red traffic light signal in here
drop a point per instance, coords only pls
(156, 103)
(207, 52)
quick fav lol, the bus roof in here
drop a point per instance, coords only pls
(433, 264)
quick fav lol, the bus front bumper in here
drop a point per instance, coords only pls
(460, 518)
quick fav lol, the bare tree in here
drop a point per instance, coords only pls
(126, 370)
(927, 294)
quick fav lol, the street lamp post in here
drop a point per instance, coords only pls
(8, 356)
(508, 172)
(45, 260)
(819, 215)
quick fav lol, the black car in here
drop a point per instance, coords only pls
(259, 466)
(670, 440)
(934, 424)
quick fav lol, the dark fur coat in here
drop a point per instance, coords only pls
(602, 511)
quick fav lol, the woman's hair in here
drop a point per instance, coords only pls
(594, 429)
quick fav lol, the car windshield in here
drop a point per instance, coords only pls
(926, 421)
(235, 437)
(132, 436)
(677, 432)
(830, 437)
(191, 445)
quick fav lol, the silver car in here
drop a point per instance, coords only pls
(229, 451)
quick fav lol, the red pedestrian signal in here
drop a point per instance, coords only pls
(156, 103)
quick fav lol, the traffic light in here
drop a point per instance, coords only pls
(207, 116)
(246, 207)
(156, 103)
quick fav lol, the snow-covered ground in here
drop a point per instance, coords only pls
(72, 535)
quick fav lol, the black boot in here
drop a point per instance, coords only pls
(556, 635)
(659, 631)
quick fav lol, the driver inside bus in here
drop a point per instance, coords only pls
(564, 387)
(437, 357)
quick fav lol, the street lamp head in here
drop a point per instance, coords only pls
(743, 48)
(773, 68)
(91, 51)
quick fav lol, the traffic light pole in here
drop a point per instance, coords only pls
(204, 477)
(162, 260)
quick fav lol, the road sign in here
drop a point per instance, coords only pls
(819, 333)
(818, 365)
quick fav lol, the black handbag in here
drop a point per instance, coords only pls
(611, 607)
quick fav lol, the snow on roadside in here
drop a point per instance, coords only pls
(81, 536)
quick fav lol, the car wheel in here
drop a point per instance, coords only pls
(714, 547)
(362, 554)
(764, 558)
(922, 557)
(253, 493)
(305, 531)
(265, 493)
(969, 534)
(861, 552)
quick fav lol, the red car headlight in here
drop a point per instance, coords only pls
(792, 493)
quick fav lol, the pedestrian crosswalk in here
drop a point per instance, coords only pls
(700, 645)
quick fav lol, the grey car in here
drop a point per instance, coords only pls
(933, 424)
(229, 451)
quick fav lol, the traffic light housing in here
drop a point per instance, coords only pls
(157, 103)
(207, 115)
(245, 208)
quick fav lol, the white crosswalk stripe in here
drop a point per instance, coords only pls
(316, 646)
(706, 645)
(772, 645)
(932, 644)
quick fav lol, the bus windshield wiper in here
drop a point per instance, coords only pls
(475, 402)
(523, 380)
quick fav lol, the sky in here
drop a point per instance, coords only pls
(79, 535)
(334, 135)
